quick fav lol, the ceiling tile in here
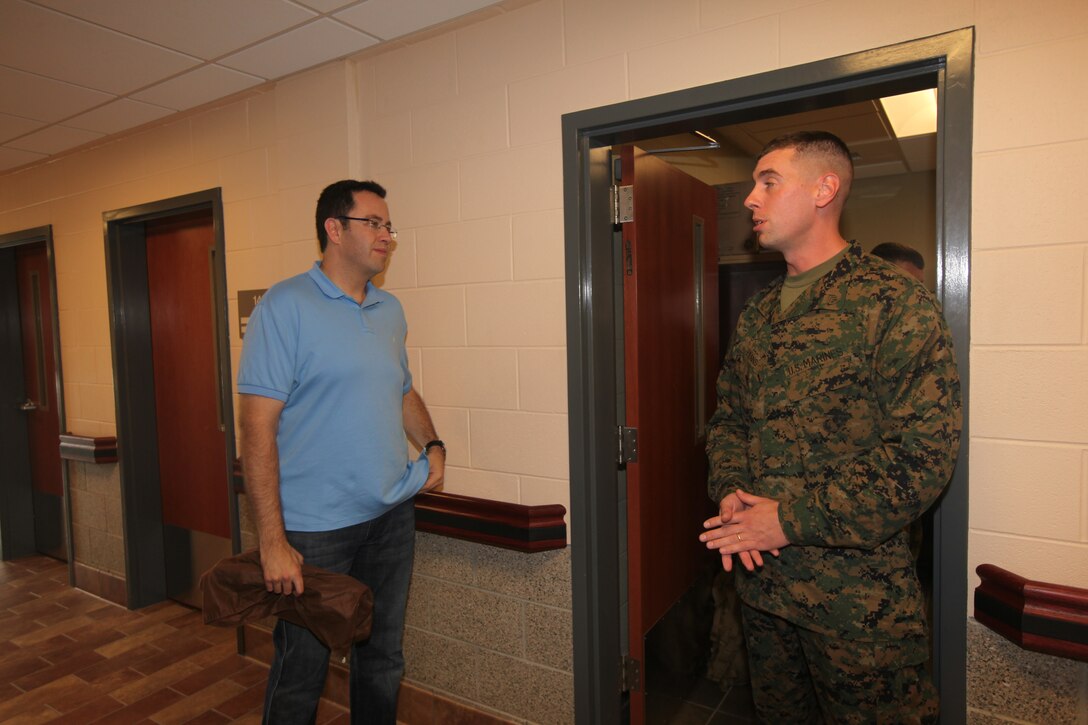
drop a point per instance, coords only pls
(203, 28)
(32, 96)
(197, 87)
(120, 115)
(10, 158)
(327, 6)
(12, 126)
(81, 53)
(389, 19)
(299, 49)
(54, 139)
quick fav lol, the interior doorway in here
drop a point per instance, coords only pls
(595, 311)
(33, 488)
(695, 665)
(168, 314)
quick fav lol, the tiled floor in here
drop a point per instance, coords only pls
(672, 700)
(71, 657)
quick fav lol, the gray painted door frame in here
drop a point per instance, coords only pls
(133, 372)
(594, 314)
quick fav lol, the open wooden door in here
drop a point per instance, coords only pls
(40, 406)
(670, 311)
(189, 417)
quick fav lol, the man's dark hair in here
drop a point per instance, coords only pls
(337, 200)
(893, 253)
(818, 143)
(807, 142)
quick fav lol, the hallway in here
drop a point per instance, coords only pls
(74, 658)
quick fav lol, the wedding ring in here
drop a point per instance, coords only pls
(738, 537)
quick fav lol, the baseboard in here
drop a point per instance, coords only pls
(110, 587)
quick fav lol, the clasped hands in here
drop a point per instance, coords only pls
(746, 525)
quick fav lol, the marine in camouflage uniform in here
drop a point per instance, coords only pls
(845, 409)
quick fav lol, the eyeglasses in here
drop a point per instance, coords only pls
(373, 224)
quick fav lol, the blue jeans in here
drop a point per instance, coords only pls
(379, 554)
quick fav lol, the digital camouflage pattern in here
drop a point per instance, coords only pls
(845, 408)
(823, 679)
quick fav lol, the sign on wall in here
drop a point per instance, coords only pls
(247, 300)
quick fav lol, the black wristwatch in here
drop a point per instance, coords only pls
(427, 448)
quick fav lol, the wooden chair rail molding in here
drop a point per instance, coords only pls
(1047, 618)
(88, 449)
(529, 529)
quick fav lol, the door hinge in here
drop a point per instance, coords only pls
(622, 199)
(630, 674)
(628, 445)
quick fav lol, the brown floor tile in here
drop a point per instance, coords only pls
(20, 664)
(133, 640)
(214, 653)
(40, 635)
(209, 718)
(109, 665)
(37, 607)
(8, 691)
(141, 688)
(140, 709)
(114, 680)
(16, 597)
(215, 672)
(174, 647)
(64, 694)
(188, 708)
(94, 636)
(47, 649)
(41, 715)
(217, 635)
(245, 701)
(69, 609)
(62, 668)
(253, 674)
(108, 612)
(188, 619)
(17, 627)
(89, 712)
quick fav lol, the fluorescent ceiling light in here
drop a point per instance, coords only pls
(912, 114)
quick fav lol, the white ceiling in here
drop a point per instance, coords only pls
(73, 71)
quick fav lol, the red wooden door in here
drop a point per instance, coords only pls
(192, 444)
(670, 360)
(39, 373)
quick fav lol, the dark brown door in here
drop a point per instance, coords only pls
(191, 440)
(670, 310)
(40, 407)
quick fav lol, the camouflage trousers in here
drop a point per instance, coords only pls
(799, 676)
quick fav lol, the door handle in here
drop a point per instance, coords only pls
(28, 406)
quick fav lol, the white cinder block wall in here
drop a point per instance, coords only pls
(463, 127)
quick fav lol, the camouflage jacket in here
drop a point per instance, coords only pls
(845, 408)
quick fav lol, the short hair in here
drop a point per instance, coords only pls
(817, 143)
(893, 252)
(337, 200)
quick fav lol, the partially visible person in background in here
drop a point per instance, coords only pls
(906, 258)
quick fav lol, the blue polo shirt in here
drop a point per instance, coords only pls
(341, 370)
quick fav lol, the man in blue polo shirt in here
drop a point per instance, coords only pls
(326, 401)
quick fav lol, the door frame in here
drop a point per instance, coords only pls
(16, 502)
(943, 61)
(133, 376)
